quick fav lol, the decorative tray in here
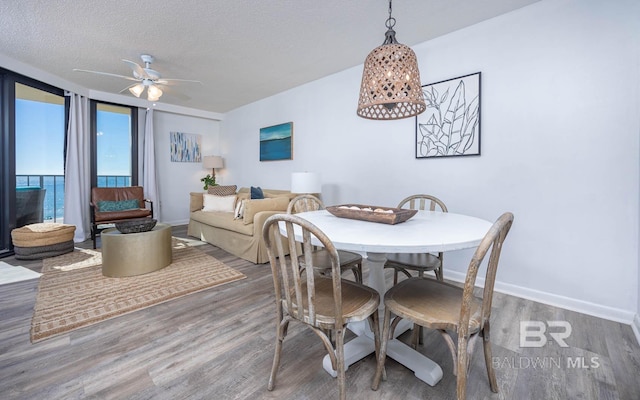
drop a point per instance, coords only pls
(384, 215)
(136, 225)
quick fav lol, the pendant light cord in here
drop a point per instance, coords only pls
(390, 35)
(391, 22)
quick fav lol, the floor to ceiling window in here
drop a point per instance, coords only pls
(39, 144)
(115, 145)
(32, 135)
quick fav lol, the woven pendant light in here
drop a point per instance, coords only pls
(391, 86)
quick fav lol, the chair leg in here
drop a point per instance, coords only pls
(439, 274)
(280, 335)
(463, 363)
(452, 350)
(357, 273)
(382, 355)
(340, 362)
(486, 344)
(416, 335)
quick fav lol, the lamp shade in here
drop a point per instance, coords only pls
(153, 93)
(137, 89)
(212, 162)
(390, 87)
(305, 182)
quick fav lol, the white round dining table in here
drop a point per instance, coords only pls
(425, 232)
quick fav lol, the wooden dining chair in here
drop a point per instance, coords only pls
(419, 262)
(321, 302)
(445, 307)
(349, 261)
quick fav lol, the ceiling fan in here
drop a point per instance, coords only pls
(145, 77)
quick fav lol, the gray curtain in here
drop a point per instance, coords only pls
(149, 181)
(77, 179)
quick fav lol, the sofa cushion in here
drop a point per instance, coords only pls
(252, 207)
(212, 202)
(256, 193)
(222, 220)
(121, 205)
(220, 190)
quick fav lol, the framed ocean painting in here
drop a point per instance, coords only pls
(276, 142)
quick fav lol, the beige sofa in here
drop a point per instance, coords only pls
(241, 237)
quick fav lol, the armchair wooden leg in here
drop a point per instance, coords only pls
(93, 235)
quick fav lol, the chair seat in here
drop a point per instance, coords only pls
(358, 302)
(432, 304)
(116, 216)
(414, 261)
(322, 261)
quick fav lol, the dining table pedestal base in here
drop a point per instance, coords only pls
(364, 344)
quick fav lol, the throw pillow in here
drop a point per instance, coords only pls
(239, 211)
(219, 190)
(218, 203)
(256, 193)
(252, 207)
(106, 205)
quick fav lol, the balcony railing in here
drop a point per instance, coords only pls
(54, 195)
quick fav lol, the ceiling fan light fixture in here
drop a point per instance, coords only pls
(391, 87)
(137, 89)
(154, 93)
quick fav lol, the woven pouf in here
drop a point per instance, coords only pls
(37, 241)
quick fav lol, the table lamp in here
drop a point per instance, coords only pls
(213, 162)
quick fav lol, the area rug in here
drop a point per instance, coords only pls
(15, 273)
(73, 293)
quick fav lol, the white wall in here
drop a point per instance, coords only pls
(178, 179)
(560, 139)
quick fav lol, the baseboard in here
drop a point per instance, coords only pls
(636, 327)
(584, 307)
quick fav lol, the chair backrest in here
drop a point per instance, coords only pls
(117, 194)
(423, 202)
(304, 202)
(291, 287)
(492, 240)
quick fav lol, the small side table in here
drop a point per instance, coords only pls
(133, 254)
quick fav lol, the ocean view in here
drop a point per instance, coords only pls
(54, 191)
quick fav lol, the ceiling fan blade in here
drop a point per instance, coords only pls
(169, 81)
(128, 87)
(106, 73)
(137, 69)
(172, 92)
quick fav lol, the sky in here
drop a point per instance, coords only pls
(40, 140)
(276, 132)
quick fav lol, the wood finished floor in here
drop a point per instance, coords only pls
(218, 344)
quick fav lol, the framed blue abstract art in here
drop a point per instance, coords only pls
(276, 142)
(185, 147)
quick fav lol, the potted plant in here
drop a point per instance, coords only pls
(209, 181)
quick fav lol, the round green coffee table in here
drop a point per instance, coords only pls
(133, 254)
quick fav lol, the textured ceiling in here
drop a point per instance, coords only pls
(242, 50)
